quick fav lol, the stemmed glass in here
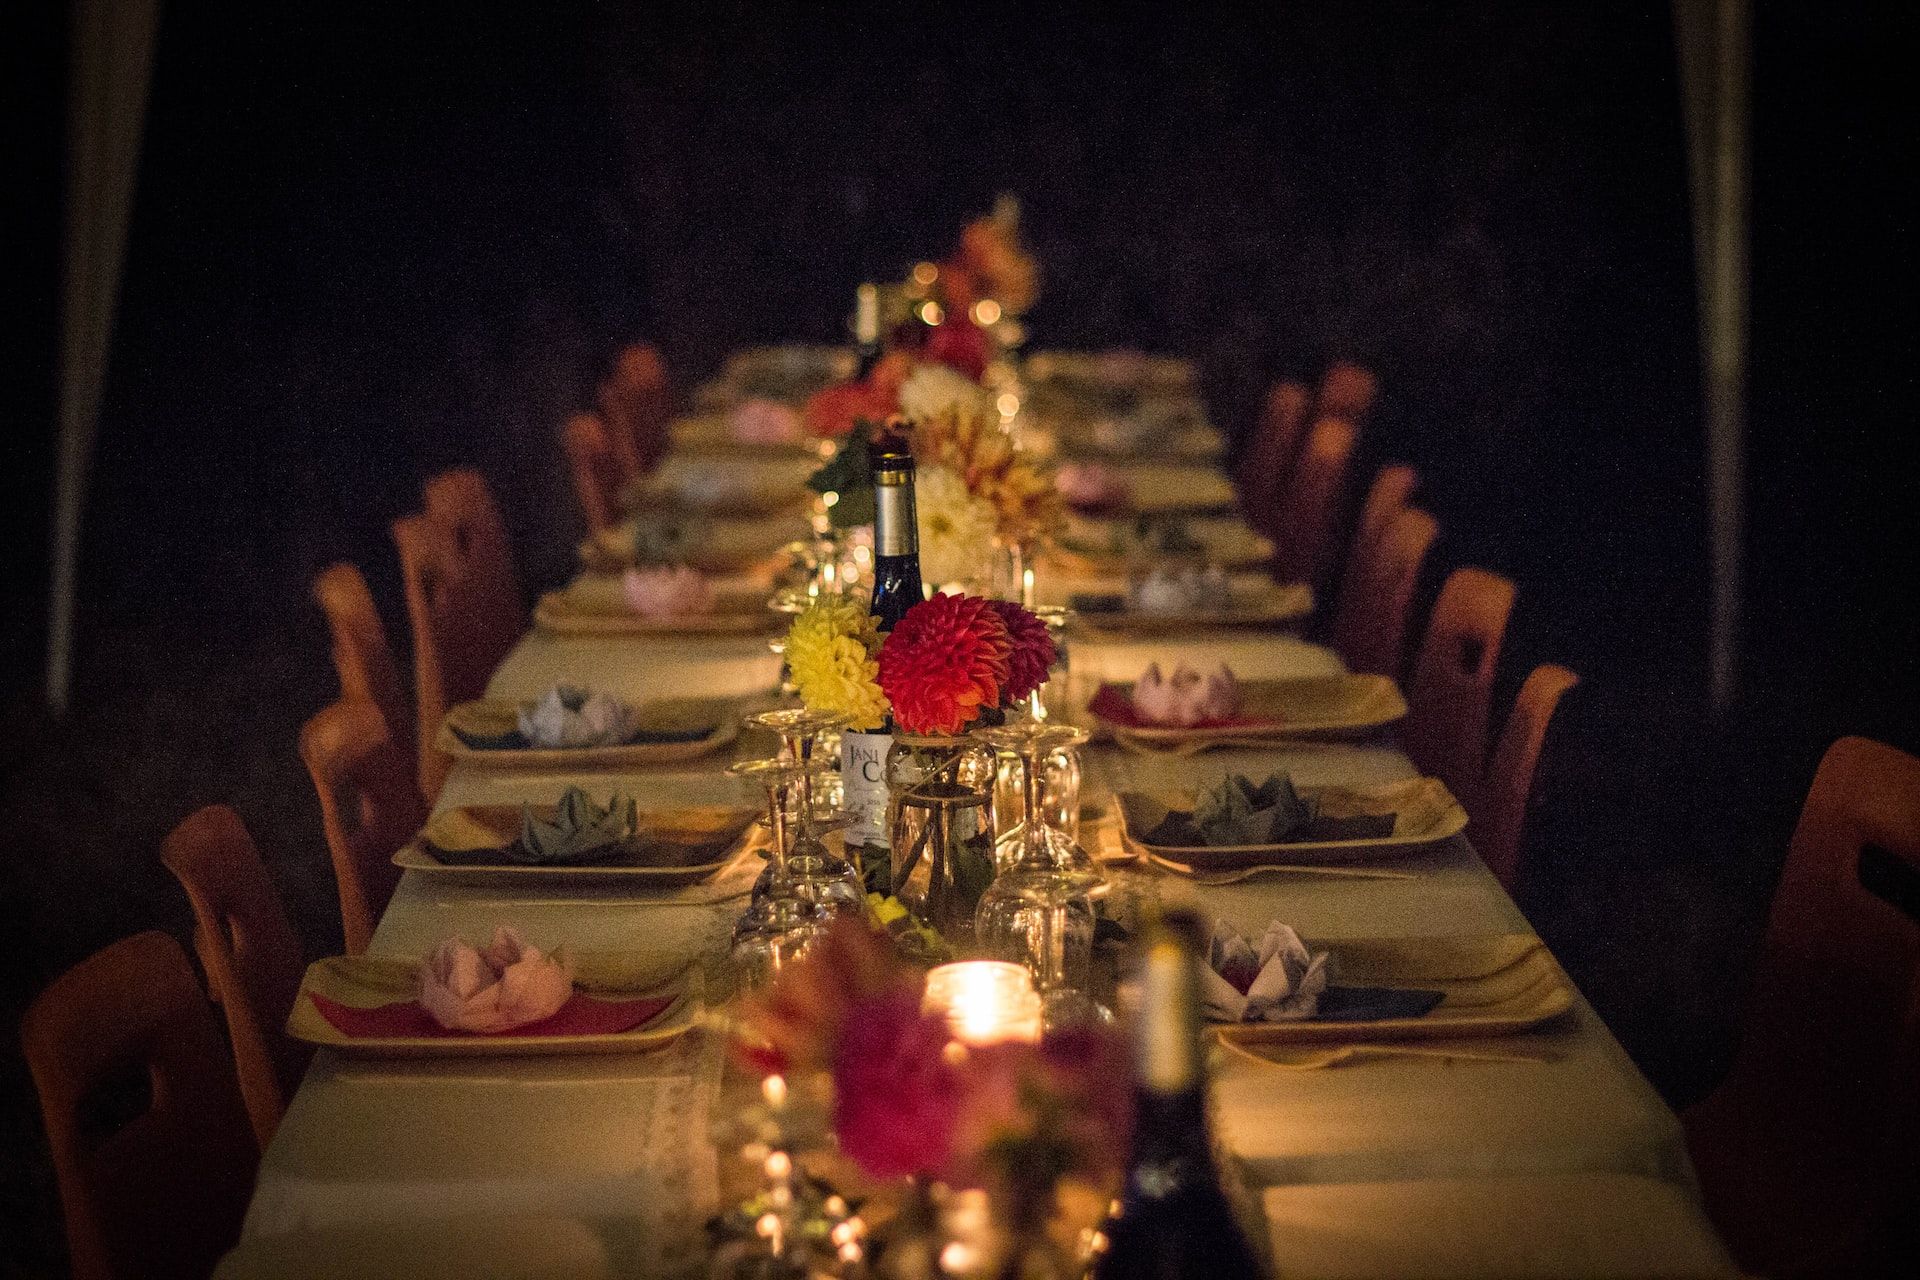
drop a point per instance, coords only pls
(826, 876)
(1039, 910)
(782, 918)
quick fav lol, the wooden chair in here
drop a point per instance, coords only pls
(1303, 526)
(637, 403)
(454, 653)
(1506, 794)
(1805, 1152)
(1263, 470)
(1390, 493)
(369, 807)
(248, 951)
(361, 652)
(597, 474)
(1347, 390)
(462, 503)
(159, 1192)
(1448, 699)
(1376, 595)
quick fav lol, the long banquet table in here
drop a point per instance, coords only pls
(1564, 1164)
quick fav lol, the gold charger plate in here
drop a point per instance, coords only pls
(1498, 984)
(1098, 545)
(1425, 812)
(727, 480)
(1276, 710)
(368, 981)
(750, 546)
(1274, 605)
(492, 717)
(572, 612)
(712, 433)
(673, 847)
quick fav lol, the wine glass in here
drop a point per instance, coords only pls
(781, 918)
(826, 876)
(1039, 910)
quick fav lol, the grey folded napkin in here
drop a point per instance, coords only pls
(579, 828)
(1237, 812)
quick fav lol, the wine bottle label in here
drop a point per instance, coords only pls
(895, 532)
(863, 784)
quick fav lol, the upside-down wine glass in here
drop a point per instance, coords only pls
(1039, 910)
(781, 920)
(824, 875)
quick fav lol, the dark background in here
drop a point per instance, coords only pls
(370, 244)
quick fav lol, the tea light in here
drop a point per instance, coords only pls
(984, 1001)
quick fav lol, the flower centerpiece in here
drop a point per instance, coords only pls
(1026, 1123)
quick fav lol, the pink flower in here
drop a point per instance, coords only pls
(895, 1093)
(673, 591)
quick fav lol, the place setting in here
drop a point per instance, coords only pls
(575, 727)
(1183, 711)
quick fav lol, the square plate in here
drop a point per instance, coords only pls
(1103, 545)
(750, 544)
(1425, 812)
(371, 980)
(596, 606)
(674, 847)
(492, 717)
(1496, 984)
(1274, 710)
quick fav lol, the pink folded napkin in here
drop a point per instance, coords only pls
(762, 421)
(1092, 486)
(1186, 698)
(674, 591)
(1277, 981)
(508, 985)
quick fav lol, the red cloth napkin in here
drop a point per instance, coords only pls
(581, 1015)
(1114, 706)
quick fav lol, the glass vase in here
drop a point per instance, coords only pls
(940, 817)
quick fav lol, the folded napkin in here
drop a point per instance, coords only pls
(758, 420)
(1116, 705)
(1186, 697)
(1170, 590)
(675, 591)
(508, 985)
(1092, 486)
(1237, 813)
(569, 716)
(1280, 980)
(579, 828)
(660, 538)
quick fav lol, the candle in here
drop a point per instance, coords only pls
(984, 1001)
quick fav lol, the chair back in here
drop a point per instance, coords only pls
(597, 473)
(1376, 595)
(1387, 496)
(637, 403)
(151, 1146)
(452, 659)
(461, 502)
(1499, 824)
(1347, 390)
(1806, 1149)
(248, 951)
(362, 654)
(369, 807)
(1303, 528)
(1449, 697)
(1263, 470)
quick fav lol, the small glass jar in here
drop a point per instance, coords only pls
(940, 819)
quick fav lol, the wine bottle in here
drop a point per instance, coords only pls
(896, 588)
(866, 328)
(1174, 1220)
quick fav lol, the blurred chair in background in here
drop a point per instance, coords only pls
(1303, 525)
(636, 400)
(597, 474)
(1449, 698)
(1388, 495)
(1268, 459)
(1347, 390)
(361, 652)
(248, 951)
(1376, 595)
(151, 1146)
(461, 502)
(369, 807)
(1806, 1150)
(1506, 795)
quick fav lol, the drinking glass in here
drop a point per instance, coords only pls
(781, 918)
(826, 876)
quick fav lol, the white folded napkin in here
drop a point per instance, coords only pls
(1283, 980)
(673, 591)
(1186, 697)
(569, 716)
(1091, 485)
(508, 985)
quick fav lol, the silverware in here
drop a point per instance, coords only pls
(1215, 880)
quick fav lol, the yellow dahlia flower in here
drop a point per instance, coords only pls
(830, 651)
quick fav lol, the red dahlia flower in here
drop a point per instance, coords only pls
(947, 659)
(1033, 651)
